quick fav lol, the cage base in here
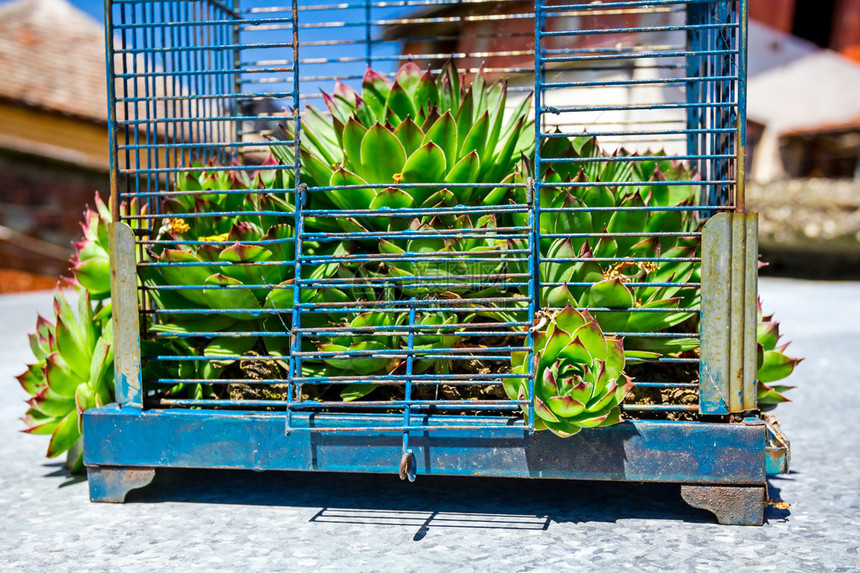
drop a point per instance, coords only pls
(732, 505)
(123, 447)
(112, 484)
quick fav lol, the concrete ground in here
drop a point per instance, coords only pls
(229, 520)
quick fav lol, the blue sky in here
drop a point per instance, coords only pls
(94, 8)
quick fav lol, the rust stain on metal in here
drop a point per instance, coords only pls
(778, 450)
(112, 484)
(733, 505)
(728, 330)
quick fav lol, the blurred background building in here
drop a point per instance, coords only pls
(53, 135)
(803, 139)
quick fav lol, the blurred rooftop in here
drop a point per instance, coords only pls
(52, 56)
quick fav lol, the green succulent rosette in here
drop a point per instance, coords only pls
(773, 363)
(579, 375)
(72, 373)
(429, 133)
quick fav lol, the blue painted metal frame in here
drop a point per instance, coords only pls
(681, 452)
(438, 444)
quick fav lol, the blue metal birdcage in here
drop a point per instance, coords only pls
(224, 360)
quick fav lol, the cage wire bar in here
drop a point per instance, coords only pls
(240, 250)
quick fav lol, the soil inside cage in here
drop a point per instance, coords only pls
(259, 393)
(682, 374)
(466, 391)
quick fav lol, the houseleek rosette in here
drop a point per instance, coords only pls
(419, 129)
(579, 375)
(588, 191)
(364, 345)
(91, 259)
(74, 354)
(72, 373)
(454, 263)
(355, 354)
(626, 287)
(620, 193)
(773, 363)
(227, 262)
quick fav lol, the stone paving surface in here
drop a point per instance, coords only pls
(226, 520)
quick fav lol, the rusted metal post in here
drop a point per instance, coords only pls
(126, 320)
(728, 329)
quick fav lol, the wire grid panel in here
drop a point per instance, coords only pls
(263, 288)
(638, 105)
(267, 293)
(417, 296)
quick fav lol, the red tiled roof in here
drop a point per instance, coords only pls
(52, 57)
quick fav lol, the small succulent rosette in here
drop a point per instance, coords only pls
(579, 375)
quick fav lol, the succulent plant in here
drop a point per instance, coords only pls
(624, 285)
(461, 265)
(428, 339)
(364, 343)
(773, 363)
(361, 348)
(420, 129)
(72, 373)
(223, 258)
(645, 191)
(91, 259)
(579, 375)
(223, 197)
(90, 263)
(205, 261)
(631, 200)
(74, 355)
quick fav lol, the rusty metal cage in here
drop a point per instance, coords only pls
(249, 289)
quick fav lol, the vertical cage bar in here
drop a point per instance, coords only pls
(693, 88)
(136, 107)
(126, 131)
(201, 12)
(533, 194)
(743, 65)
(710, 96)
(368, 35)
(299, 194)
(151, 129)
(169, 156)
(410, 364)
(236, 38)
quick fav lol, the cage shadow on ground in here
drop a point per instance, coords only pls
(432, 502)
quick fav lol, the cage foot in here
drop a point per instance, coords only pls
(111, 484)
(733, 505)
